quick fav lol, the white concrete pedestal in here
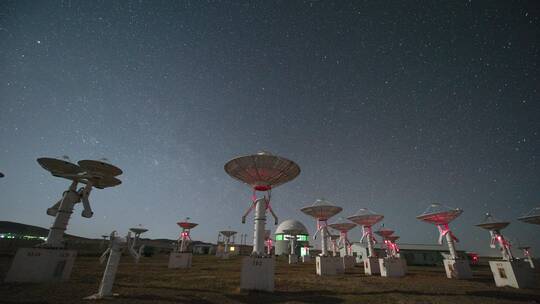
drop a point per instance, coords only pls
(293, 259)
(306, 258)
(180, 259)
(327, 265)
(348, 261)
(517, 274)
(41, 265)
(371, 266)
(257, 273)
(457, 269)
(391, 267)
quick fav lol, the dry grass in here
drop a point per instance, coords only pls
(212, 280)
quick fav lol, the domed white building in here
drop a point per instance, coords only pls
(283, 233)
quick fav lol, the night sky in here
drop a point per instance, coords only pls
(385, 105)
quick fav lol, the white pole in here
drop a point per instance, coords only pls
(451, 247)
(259, 231)
(324, 240)
(56, 233)
(370, 241)
(105, 288)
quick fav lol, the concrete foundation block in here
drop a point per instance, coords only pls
(293, 258)
(371, 266)
(257, 273)
(328, 265)
(180, 259)
(457, 269)
(41, 265)
(391, 267)
(348, 262)
(517, 274)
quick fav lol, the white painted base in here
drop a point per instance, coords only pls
(403, 264)
(41, 265)
(517, 274)
(293, 259)
(180, 259)
(257, 273)
(391, 267)
(371, 266)
(348, 262)
(457, 269)
(328, 265)
(306, 258)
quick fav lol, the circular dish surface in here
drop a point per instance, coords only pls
(228, 233)
(138, 230)
(384, 232)
(532, 217)
(322, 209)
(99, 168)
(366, 217)
(186, 225)
(439, 215)
(262, 171)
(59, 167)
(342, 226)
(492, 223)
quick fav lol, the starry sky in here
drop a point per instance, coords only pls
(386, 105)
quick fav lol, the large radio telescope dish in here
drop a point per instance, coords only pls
(366, 217)
(228, 233)
(439, 214)
(100, 174)
(187, 225)
(384, 232)
(262, 171)
(342, 225)
(322, 210)
(532, 217)
(492, 224)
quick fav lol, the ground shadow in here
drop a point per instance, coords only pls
(282, 297)
(499, 294)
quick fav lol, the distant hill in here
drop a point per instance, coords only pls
(24, 229)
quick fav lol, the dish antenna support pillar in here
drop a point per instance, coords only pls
(117, 245)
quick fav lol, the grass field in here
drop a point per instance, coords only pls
(212, 280)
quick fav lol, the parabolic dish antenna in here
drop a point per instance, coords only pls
(100, 174)
(384, 232)
(493, 224)
(262, 171)
(532, 217)
(186, 225)
(59, 167)
(138, 230)
(342, 226)
(99, 168)
(365, 217)
(322, 209)
(439, 214)
(228, 233)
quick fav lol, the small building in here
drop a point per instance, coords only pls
(203, 248)
(414, 254)
(281, 238)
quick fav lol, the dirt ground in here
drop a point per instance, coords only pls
(213, 280)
